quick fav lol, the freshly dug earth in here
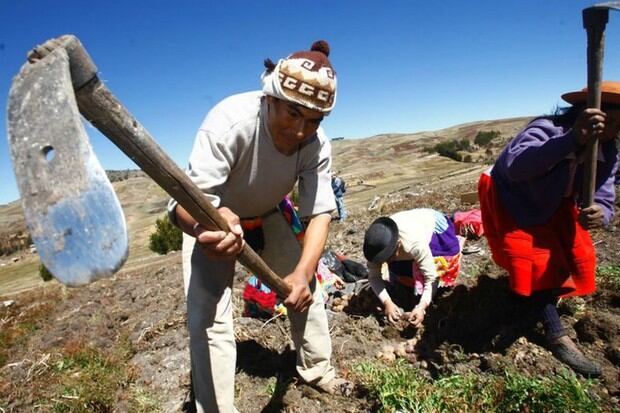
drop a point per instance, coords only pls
(472, 328)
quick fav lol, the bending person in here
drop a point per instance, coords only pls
(423, 253)
(529, 202)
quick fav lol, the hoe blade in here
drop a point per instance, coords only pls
(71, 210)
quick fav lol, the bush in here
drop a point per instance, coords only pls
(484, 138)
(450, 149)
(464, 145)
(44, 273)
(166, 237)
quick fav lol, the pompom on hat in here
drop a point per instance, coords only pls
(306, 78)
(381, 240)
(610, 94)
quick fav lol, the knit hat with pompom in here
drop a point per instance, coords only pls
(306, 78)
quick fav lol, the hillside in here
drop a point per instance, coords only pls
(379, 165)
(142, 202)
(121, 344)
(397, 162)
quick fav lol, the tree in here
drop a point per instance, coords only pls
(484, 138)
(166, 237)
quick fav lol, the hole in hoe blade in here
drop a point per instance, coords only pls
(48, 153)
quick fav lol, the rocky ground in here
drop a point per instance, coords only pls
(470, 328)
(121, 344)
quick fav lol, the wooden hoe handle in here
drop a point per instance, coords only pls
(107, 114)
(594, 21)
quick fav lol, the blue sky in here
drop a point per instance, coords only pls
(403, 66)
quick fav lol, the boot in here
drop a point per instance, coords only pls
(565, 350)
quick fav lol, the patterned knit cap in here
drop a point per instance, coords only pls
(306, 78)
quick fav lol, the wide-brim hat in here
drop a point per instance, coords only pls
(610, 94)
(381, 240)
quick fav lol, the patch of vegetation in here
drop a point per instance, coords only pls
(452, 148)
(122, 175)
(88, 380)
(143, 400)
(608, 276)
(44, 273)
(76, 377)
(483, 138)
(20, 323)
(400, 387)
(166, 237)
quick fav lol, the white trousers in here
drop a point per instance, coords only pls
(208, 287)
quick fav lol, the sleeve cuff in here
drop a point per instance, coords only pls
(172, 212)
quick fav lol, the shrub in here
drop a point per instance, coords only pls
(464, 145)
(44, 273)
(166, 237)
(484, 138)
(450, 149)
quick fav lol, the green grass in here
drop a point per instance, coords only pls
(18, 328)
(400, 387)
(80, 378)
(89, 380)
(608, 276)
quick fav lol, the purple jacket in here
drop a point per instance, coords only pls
(532, 173)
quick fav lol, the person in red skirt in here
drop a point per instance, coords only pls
(531, 215)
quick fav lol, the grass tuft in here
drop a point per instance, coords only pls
(401, 388)
(608, 276)
(18, 325)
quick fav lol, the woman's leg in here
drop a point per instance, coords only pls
(544, 306)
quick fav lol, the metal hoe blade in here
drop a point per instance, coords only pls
(71, 210)
(615, 5)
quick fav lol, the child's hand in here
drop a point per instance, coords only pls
(416, 316)
(392, 312)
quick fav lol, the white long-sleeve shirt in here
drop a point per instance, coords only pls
(415, 230)
(236, 164)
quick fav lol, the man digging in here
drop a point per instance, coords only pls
(248, 154)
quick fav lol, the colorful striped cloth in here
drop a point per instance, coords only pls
(259, 299)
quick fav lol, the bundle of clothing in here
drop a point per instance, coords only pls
(333, 270)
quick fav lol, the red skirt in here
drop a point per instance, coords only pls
(556, 255)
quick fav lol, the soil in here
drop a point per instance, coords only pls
(470, 328)
(473, 327)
